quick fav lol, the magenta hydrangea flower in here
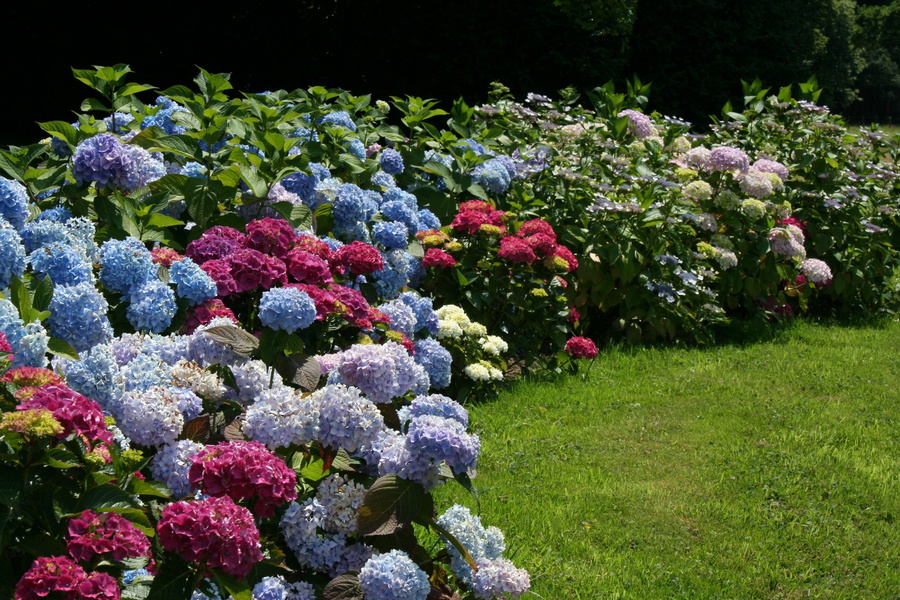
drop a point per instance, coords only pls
(353, 306)
(270, 236)
(581, 347)
(216, 242)
(244, 470)
(323, 298)
(251, 269)
(435, 257)
(215, 533)
(105, 534)
(220, 271)
(204, 313)
(74, 412)
(360, 258)
(516, 250)
(61, 576)
(306, 267)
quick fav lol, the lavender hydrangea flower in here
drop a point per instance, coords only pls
(434, 404)
(443, 440)
(393, 576)
(726, 158)
(403, 317)
(382, 372)
(481, 542)
(96, 376)
(78, 316)
(346, 419)
(436, 360)
(816, 271)
(13, 202)
(499, 578)
(639, 123)
(192, 282)
(281, 418)
(287, 309)
(150, 417)
(172, 464)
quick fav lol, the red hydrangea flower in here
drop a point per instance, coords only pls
(95, 534)
(243, 470)
(270, 236)
(581, 347)
(214, 532)
(306, 267)
(543, 243)
(431, 238)
(61, 576)
(566, 255)
(435, 257)
(206, 312)
(573, 315)
(4, 344)
(476, 205)
(360, 258)
(792, 221)
(215, 243)
(165, 256)
(73, 411)
(251, 270)
(516, 250)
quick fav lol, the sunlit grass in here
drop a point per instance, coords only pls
(763, 471)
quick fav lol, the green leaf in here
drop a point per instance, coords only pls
(60, 458)
(10, 486)
(391, 503)
(173, 581)
(61, 130)
(299, 216)
(43, 294)
(242, 342)
(92, 104)
(344, 587)
(20, 297)
(104, 497)
(160, 220)
(239, 590)
(134, 88)
(140, 487)
(197, 429)
(253, 180)
(301, 370)
(138, 517)
(62, 348)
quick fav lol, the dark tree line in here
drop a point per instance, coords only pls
(695, 52)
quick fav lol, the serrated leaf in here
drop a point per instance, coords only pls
(62, 348)
(92, 104)
(253, 180)
(391, 503)
(233, 431)
(173, 581)
(197, 429)
(344, 587)
(303, 371)
(60, 458)
(19, 296)
(140, 487)
(242, 342)
(237, 589)
(61, 130)
(137, 517)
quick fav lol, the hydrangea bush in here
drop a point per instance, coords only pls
(236, 333)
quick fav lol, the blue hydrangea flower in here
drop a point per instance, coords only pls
(12, 256)
(78, 316)
(32, 348)
(441, 439)
(481, 542)
(383, 180)
(96, 376)
(282, 417)
(391, 161)
(396, 194)
(349, 206)
(394, 276)
(398, 210)
(172, 463)
(341, 118)
(423, 307)
(13, 202)
(252, 378)
(62, 264)
(168, 348)
(162, 118)
(437, 361)
(152, 307)
(428, 220)
(356, 148)
(286, 308)
(192, 282)
(57, 214)
(346, 419)
(492, 176)
(116, 121)
(42, 233)
(392, 235)
(470, 144)
(149, 417)
(145, 371)
(307, 135)
(206, 351)
(403, 317)
(393, 576)
(125, 265)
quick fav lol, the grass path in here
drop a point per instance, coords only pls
(769, 470)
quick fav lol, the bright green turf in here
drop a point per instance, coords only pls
(770, 470)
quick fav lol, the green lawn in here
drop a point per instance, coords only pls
(770, 470)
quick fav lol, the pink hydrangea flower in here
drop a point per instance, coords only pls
(214, 532)
(352, 306)
(251, 270)
(315, 246)
(105, 534)
(215, 243)
(220, 272)
(581, 347)
(323, 298)
(74, 412)
(306, 267)
(165, 256)
(61, 576)
(244, 470)
(206, 312)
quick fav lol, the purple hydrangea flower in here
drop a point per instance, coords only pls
(391, 161)
(382, 372)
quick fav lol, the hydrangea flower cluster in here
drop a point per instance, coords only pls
(787, 240)
(244, 470)
(816, 271)
(61, 575)
(287, 309)
(581, 347)
(382, 372)
(107, 534)
(214, 532)
(105, 160)
(393, 576)
(73, 411)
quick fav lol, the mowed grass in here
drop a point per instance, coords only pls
(770, 470)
